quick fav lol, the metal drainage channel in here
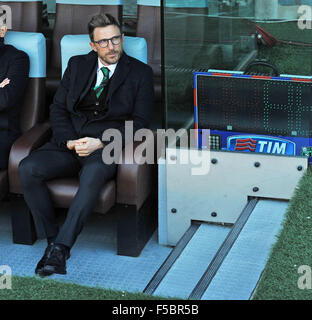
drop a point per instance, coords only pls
(173, 256)
(216, 262)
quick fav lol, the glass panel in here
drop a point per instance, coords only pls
(228, 35)
(50, 5)
(201, 35)
(130, 8)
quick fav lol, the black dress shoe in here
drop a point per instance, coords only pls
(46, 255)
(56, 262)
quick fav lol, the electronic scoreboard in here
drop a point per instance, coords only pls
(253, 113)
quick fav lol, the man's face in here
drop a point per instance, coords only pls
(110, 54)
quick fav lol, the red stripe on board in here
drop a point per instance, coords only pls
(261, 77)
(246, 140)
(301, 80)
(222, 74)
(246, 144)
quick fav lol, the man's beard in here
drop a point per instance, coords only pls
(111, 60)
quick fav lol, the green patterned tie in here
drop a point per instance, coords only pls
(99, 89)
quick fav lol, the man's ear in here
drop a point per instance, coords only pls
(93, 46)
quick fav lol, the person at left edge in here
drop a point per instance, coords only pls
(14, 70)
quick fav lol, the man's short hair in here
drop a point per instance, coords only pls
(101, 20)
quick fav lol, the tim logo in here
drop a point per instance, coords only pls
(245, 145)
(261, 144)
(5, 16)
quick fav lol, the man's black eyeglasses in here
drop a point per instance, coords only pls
(103, 43)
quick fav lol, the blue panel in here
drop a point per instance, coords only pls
(34, 44)
(281, 78)
(72, 45)
(280, 145)
(155, 3)
(261, 144)
(91, 2)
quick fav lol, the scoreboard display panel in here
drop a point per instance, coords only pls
(253, 113)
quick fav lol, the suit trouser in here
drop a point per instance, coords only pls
(4, 156)
(52, 161)
(5, 146)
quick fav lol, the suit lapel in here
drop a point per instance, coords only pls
(120, 74)
(85, 75)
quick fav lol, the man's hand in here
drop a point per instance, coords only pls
(85, 146)
(71, 144)
(5, 82)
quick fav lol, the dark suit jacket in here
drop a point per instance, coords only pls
(14, 64)
(130, 97)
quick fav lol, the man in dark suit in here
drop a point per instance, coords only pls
(14, 70)
(99, 91)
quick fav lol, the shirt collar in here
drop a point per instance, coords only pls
(111, 67)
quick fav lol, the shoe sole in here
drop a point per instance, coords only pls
(39, 271)
(49, 270)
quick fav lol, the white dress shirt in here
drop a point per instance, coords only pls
(99, 76)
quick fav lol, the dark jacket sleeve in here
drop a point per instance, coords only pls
(141, 115)
(18, 72)
(61, 124)
(144, 101)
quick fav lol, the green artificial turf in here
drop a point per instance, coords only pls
(292, 250)
(292, 52)
(32, 288)
(285, 58)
